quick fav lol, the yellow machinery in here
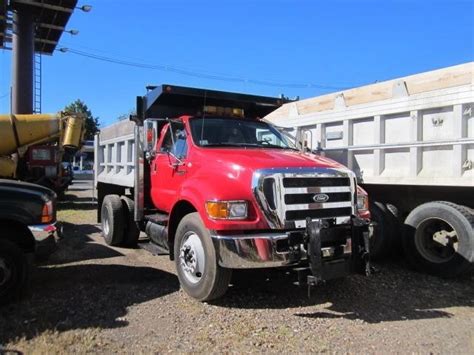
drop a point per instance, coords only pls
(19, 132)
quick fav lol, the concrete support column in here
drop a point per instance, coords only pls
(23, 44)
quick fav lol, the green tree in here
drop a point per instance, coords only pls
(92, 123)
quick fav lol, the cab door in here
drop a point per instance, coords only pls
(168, 168)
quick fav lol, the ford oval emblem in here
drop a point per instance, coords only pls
(320, 198)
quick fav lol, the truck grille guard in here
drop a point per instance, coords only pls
(288, 196)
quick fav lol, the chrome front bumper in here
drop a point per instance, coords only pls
(250, 251)
(261, 251)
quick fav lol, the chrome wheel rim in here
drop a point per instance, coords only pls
(192, 259)
(436, 240)
(105, 222)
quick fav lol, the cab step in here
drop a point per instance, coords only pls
(152, 248)
(158, 218)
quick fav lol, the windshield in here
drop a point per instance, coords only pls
(230, 132)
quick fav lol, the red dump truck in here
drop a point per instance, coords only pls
(217, 187)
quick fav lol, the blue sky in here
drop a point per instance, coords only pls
(338, 44)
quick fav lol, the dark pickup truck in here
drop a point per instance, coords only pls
(27, 222)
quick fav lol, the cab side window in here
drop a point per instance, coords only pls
(167, 141)
(180, 146)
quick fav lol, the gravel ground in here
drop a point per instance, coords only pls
(89, 297)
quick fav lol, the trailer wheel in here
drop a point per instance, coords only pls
(198, 271)
(439, 238)
(131, 232)
(14, 271)
(112, 217)
(386, 230)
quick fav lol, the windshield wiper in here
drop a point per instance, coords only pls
(253, 145)
(276, 146)
(229, 144)
(223, 144)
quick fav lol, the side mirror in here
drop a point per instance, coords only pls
(140, 108)
(150, 136)
(304, 140)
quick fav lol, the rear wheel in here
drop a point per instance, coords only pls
(198, 271)
(14, 271)
(112, 219)
(439, 238)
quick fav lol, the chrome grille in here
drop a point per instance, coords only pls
(289, 196)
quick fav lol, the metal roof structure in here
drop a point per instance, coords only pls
(3, 21)
(50, 17)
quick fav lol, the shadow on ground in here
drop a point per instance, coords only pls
(77, 245)
(82, 296)
(393, 294)
(69, 296)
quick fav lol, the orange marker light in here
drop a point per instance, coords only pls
(216, 209)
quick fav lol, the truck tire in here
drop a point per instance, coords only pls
(386, 230)
(131, 232)
(200, 275)
(112, 219)
(438, 238)
(14, 272)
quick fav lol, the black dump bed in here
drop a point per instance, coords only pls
(174, 101)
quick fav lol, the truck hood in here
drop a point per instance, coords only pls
(26, 188)
(254, 159)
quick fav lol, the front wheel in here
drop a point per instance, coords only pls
(14, 269)
(386, 230)
(196, 264)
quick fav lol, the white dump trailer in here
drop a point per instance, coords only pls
(411, 143)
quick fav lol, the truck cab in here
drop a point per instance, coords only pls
(221, 189)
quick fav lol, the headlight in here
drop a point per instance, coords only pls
(226, 209)
(362, 202)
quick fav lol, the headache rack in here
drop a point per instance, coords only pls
(174, 101)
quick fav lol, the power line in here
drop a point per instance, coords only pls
(197, 74)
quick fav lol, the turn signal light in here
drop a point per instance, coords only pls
(226, 209)
(217, 210)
